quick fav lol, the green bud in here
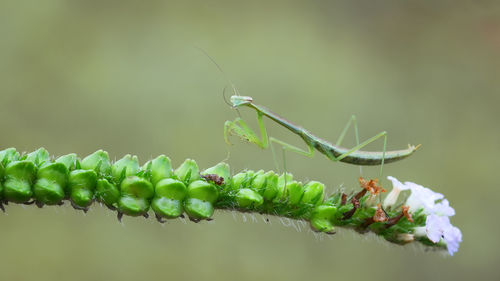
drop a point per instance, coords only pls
(107, 192)
(171, 188)
(97, 161)
(295, 191)
(169, 194)
(271, 188)
(8, 155)
(125, 167)
(137, 187)
(255, 183)
(38, 157)
(259, 172)
(68, 160)
(221, 169)
(161, 168)
(201, 196)
(282, 190)
(322, 218)
(19, 177)
(242, 180)
(166, 207)
(249, 198)
(136, 195)
(313, 193)
(198, 209)
(281, 179)
(81, 185)
(259, 183)
(133, 206)
(203, 190)
(238, 180)
(50, 184)
(188, 171)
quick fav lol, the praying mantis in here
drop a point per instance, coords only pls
(333, 152)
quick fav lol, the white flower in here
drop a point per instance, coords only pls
(438, 210)
(392, 197)
(453, 238)
(439, 227)
(422, 197)
(443, 209)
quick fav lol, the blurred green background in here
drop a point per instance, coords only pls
(125, 76)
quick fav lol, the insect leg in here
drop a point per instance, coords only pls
(352, 120)
(383, 155)
(239, 128)
(286, 146)
(308, 153)
(363, 144)
(342, 135)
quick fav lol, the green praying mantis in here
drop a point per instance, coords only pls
(335, 153)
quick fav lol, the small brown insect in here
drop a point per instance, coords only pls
(213, 178)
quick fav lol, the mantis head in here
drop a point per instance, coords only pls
(238, 101)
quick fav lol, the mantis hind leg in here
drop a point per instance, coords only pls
(358, 146)
(352, 120)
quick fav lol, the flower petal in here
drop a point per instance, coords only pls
(453, 237)
(438, 227)
(435, 226)
(392, 196)
(397, 184)
(443, 209)
(422, 197)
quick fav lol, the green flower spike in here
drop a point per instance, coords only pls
(133, 190)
